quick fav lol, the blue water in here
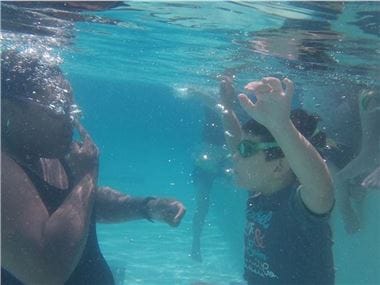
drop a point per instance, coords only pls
(124, 78)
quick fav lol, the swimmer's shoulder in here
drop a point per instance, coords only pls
(13, 177)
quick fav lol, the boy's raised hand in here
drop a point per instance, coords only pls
(273, 102)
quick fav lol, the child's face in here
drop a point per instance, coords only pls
(252, 171)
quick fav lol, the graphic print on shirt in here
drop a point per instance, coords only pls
(256, 260)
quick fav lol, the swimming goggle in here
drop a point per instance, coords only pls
(247, 148)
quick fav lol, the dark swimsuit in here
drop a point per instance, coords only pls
(92, 268)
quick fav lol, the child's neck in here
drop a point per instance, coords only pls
(276, 186)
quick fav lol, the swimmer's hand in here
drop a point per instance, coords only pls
(83, 157)
(166, 210)
(273, 101)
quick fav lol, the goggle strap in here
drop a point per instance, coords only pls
(266, 145)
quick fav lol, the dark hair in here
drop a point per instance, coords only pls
(306, 124)
(29, 75)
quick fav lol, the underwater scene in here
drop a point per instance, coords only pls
(190, 142)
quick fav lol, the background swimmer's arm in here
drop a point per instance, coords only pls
(372, 180)
(204, 98)
(349, 215)
(114, 207)
(231, 124)
(39, 248)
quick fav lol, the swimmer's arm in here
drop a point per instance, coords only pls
(205, 99)
(231, 124)
(114, 207)
(312, 172)
(39, 248)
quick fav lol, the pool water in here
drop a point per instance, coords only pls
(126, 65)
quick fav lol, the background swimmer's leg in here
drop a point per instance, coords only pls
(349, 179)
(203, 181)
(368, 158)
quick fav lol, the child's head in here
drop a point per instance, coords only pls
(259, 162)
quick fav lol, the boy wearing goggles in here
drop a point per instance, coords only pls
(287, 236)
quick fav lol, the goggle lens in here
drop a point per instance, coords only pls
(247, 148)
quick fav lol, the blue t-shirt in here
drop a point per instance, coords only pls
(285, 243)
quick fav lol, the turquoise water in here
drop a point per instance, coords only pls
(125, 76)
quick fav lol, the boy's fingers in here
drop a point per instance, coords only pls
(289, 87)
(258, 88)
(252, 86)
(274, 83)
(246, 103)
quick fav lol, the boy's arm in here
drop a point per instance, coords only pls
(308, 166)
(231, 124)
(113, 207)
(272, 110)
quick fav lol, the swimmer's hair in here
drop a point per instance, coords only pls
(305, 123)
(29, 75)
